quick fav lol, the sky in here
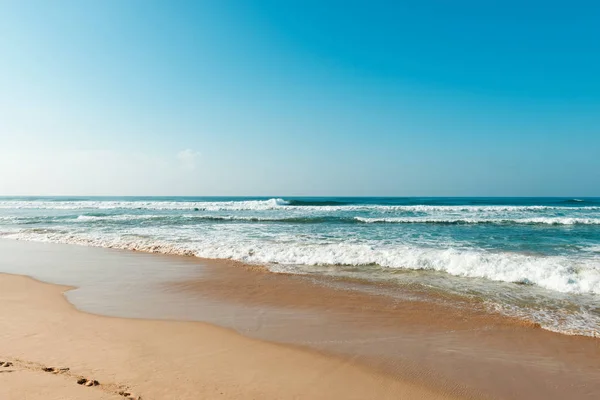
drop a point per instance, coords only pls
(328, 98)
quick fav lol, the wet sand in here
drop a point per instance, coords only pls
(408, 337)
(450, 343)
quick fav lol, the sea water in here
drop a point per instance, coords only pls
(535, 258)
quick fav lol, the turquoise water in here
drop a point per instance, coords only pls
(538, 258)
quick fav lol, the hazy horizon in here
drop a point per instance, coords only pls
(284, 196)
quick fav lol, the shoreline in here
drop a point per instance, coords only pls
(465, 352)
(568, 313)
(430, 292)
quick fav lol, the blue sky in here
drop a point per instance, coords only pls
(399, 98)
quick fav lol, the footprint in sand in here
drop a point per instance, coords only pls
(130, 396)
(80, 381)
(5, 364)
(87, 382)
(55, 370)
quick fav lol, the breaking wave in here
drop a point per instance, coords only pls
(334, 219)
(557, 273)
(195, 217)
(271, 204)
(458, 221)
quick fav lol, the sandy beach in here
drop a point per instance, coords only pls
(279, 336)
(299, 200)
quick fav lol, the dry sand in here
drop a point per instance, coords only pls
(161, 359)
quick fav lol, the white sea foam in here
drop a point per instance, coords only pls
(196, 217)
(449, 220)
(580, 322)
(594, 249)
(121, 217)
(270, 204)
(146, 205)
(559, 221)
(557, 273)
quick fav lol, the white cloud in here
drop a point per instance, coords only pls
(188, 158)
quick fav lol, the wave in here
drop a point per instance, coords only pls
(557, 273)
(581, 322)
(318, 203)
(192, 217)
(32, 219)
(579, 201)
(146, 205)
(273, 204)
(468, 221)
(126, 217)
(304, 219)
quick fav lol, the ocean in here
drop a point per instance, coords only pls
(533, 258)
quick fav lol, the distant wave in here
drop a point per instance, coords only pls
(194, 217)
(346, 220)
(32, 219)
(146, 205)
(126, 217)
(318, 203)
(575, 201)
(273, 204)
(459, 221)
(300, 219)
